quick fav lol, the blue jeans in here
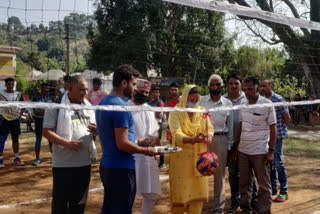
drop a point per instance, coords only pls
(234, 176)
(38, 131)
(278, 166)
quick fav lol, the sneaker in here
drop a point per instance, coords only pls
(233, 208)
(18, 162)
(36, 162)
(281, 197)
(162, 166)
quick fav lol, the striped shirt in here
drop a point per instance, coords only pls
(255, 131)
(282, 131)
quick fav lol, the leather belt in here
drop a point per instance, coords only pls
(220, 133)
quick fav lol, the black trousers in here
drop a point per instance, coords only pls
(70, 189)
(119, 190)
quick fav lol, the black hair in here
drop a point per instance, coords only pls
(234, 76)
(174, 85)
(155, 89)
(194, 90)
(67, 78)
(44, 84)
(9, 79)
(253, 80)
(97, 81)
(76, 79)
(123, 72)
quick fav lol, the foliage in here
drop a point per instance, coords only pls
(263, 64)
(22, 68)
(288, 88)
(33, 88)
(176, 41)
(21, 84)
(302, 43)
(43, 47)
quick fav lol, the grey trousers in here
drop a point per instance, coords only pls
(220, 147)
(247, 163)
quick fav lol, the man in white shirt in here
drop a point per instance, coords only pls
(10, 121)
(71, 133)
(146, 127)
(255, 143)
(235, 95)
(223, 136)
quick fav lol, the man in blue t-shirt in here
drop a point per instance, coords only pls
(118, 141)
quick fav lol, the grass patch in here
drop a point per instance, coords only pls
(301, 148)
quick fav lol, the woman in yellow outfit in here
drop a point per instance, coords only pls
(188, 188)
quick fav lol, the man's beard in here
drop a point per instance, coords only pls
(127, 92)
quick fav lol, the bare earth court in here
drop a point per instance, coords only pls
(27, 189)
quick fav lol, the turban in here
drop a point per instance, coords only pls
(142, 83)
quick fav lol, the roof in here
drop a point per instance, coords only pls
(10, 48)
(167, 81)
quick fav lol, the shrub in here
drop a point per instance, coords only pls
(21, 84)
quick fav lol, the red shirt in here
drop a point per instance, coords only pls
(172, 102)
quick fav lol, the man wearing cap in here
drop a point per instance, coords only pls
(146, 127)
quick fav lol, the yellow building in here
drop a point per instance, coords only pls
(8, 61)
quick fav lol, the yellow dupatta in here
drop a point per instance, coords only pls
(186, 183)
(181, 126)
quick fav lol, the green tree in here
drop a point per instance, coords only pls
(264, 64)
(174, 40)
(34, 60)
(22, 68)
(21, 84)
(43, 44)
(15, 24)
(33, 88)
(303, 44)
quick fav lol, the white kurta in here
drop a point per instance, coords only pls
(147, 171)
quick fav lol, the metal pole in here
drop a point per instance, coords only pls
(67, 68)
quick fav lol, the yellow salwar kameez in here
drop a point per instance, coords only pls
(187, 185)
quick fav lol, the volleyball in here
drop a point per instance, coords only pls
(207, 163)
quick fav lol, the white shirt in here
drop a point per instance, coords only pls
(255, 131)
(222, 119)
(62, 90)
(10, 113)
(147, 171)
(11, 96)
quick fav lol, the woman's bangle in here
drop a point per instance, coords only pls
(145, 150)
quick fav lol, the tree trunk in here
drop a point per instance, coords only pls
(306, 48)
(315, 49)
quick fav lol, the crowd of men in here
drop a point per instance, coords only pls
(247, 141)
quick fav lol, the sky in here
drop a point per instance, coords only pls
(34, 15)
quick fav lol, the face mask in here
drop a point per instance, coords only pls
(192, 105)
(214, 92)
(140, 98)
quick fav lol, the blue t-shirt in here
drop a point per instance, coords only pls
(107, 121)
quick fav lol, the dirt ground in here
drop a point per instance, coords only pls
(27, 189)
